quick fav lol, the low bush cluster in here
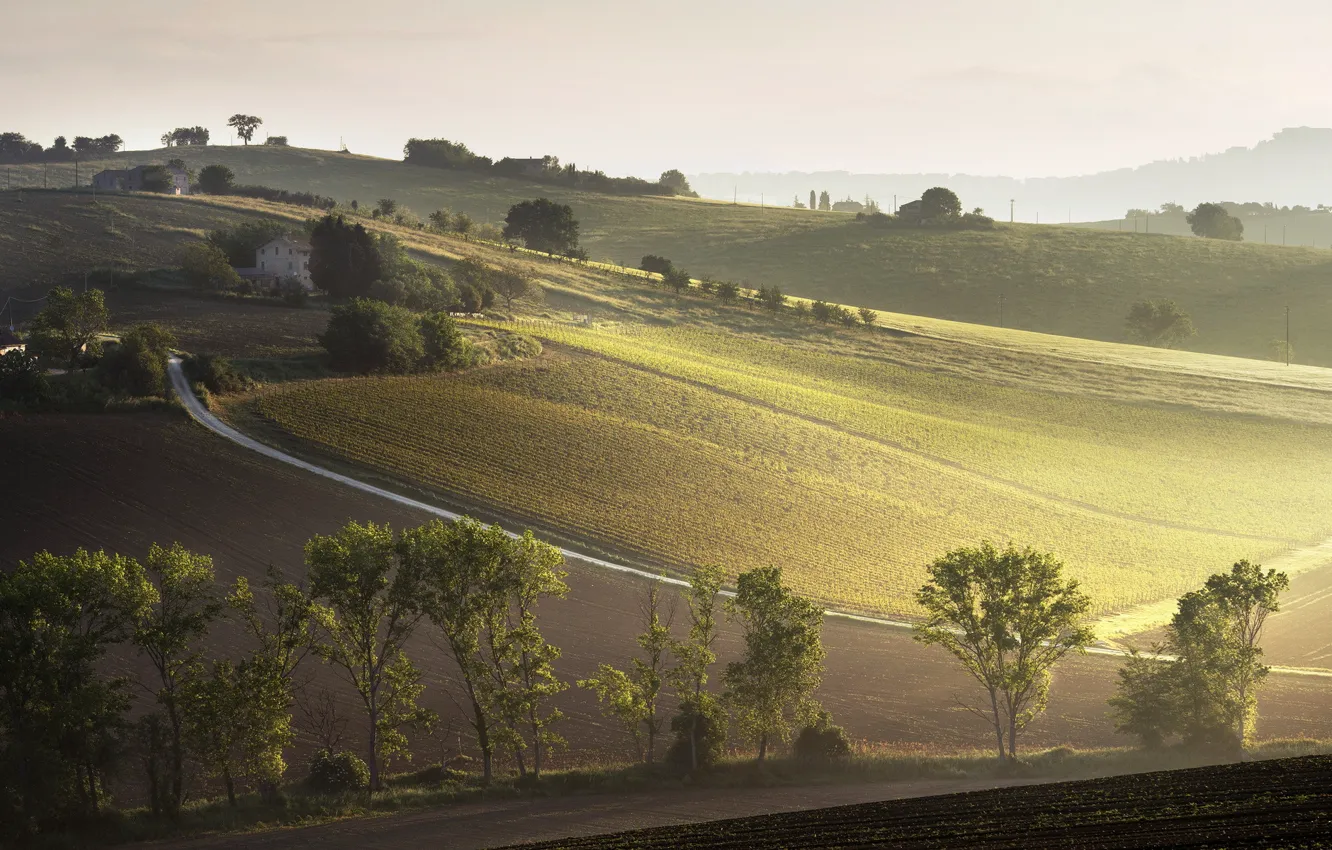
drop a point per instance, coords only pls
(337, 773)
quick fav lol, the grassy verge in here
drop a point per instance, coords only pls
(434, 787)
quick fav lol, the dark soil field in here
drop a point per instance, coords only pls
(124, 481)
(232, 327)
(1285, 803)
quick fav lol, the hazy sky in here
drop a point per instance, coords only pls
(1021, 87)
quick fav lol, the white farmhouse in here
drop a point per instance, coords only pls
(285, 258)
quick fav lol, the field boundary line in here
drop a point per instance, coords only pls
(202, 415)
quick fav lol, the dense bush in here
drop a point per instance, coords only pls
(216, 373)
(705, 722)
(445, 346)
(337, 773)
(285, 196)
(137, 366)
(822, 741)
(21, 378)
(653, 263)
(369, 336)
(207, 266)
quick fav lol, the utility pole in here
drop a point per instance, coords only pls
(1038, 216)
(894, 205)
(1012, 204)
(1001, 309)
(1287, 334)
(1264, 234)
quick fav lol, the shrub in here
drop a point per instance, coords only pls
(389, 291)
(445, 346)
(868, 316)
(371, 336)
(216, 373)
(208, 267)
(21, 378)
(659, 265)
(137, 366)
(295, 297)
(216, 180)
(337, 773)
(822, 741)
(706, 720)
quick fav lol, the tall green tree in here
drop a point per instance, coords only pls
(1146, 699)
(371, 603)
(465, 594)
(695, 655)
(168, 632)
(825, 201)
(244, 125)
(533, 573)
(1007, 616)
(631, 696)
(813, 202)
(543, 225)
(344, 258)
(284, 628)
(61, 720)
(69, 325)
(771, 688)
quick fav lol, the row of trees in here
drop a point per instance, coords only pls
(15, 147)
(473, 590)
(442, 153)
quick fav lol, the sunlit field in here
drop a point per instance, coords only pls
(682, 446)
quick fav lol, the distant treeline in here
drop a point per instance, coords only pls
(15, 147)
(442, 153)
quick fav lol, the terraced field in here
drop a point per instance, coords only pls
(1283, 803)
(681, 446)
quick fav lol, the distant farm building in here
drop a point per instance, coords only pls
(848, 206)
(281, 260)
(909, 210)
(131, 179)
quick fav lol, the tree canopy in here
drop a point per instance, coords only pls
(69, 325)
(244, 125)
(1007, 616)
(344, 258)
(1160, 323)
(216, 180)
(1211, 221)
(940, 203)
(543, 225)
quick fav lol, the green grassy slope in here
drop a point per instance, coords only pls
(1062, 280)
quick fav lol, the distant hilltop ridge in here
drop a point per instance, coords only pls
(1292, 167)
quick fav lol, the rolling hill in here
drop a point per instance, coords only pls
(1069, 281)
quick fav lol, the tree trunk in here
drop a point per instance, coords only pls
(373, 761)
(652, 743)
(998, 725)
(1012, 738)
(693, 741)
(522, 765)
(763, 746)
(231, 787)
(177, 760)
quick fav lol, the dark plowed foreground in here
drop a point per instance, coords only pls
(1284, 803)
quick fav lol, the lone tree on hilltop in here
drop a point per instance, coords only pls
(940, 203)
(1160, 323)
(344, 258)
(825, 201)
(1007, 616)
(543, 225)
(813, 201)
(244, 125)
(1211, 221)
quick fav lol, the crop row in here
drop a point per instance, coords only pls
(681, 474)
(1241, 475)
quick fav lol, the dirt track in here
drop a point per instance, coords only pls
(477, 825)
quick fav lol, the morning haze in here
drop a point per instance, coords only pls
(1024, 89)
(789, 425)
